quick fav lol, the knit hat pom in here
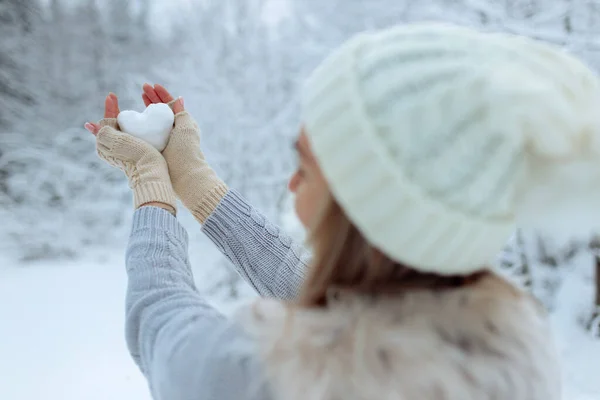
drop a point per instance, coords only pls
(560, 198)
(566, 125)
(561, 195)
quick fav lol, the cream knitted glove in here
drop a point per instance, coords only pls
(144, 166)
(194, 181)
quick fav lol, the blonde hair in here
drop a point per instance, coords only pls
(344, 259)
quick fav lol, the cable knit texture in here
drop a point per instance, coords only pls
(143, 165)
(195, 182)
(268, 259)
(423, 132)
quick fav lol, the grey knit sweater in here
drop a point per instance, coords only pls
(168, 320)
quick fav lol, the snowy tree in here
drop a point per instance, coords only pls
(514, 263)
(539, 265)
(120, 19)
(94, 41)
(142, 27)
(54, 177)
(58, 50)
(16, 19)
(593, 323)
(247, 76)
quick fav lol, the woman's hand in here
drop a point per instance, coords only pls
(143, 165)
(196, 184)
(158, 94)
(111, 111)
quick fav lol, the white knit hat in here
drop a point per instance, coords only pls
(423, 134)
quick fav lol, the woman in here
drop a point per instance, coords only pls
(414, 152)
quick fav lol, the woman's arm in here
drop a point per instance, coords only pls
(185, 348)
(267, 258)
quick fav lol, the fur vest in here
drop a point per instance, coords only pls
(481, 342)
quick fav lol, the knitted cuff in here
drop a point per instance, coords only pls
(112, 122)
(208, 203)
(172, 103)
(154, 192)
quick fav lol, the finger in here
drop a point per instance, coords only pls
(93, 128)
(111, 106)
(110, 109)
(178, 106)
(146, 99)
(163, 93)
(116, 102)
(149, 91)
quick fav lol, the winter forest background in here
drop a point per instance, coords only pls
(239, 65)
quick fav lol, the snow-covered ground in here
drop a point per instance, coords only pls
(61, 332)
(580, 352)
(62, 324)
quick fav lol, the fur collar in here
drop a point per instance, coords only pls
(486, 341)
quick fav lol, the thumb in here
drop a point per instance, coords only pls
(178, 106)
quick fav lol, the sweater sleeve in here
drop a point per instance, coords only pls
(184, 347)
(264, 256)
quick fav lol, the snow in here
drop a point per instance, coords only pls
(63, 323)
(62, 333)
(62, 327)
(153, 125)
(579, 350)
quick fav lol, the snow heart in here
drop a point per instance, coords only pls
(153, 125)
